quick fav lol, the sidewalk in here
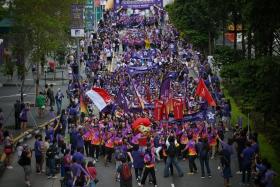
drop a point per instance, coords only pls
(59, 77)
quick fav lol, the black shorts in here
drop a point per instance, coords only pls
(23, 120)
(109, 151)
(38, 159)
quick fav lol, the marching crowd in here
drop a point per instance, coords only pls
(131, 61)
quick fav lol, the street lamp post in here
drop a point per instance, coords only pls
(45, 77)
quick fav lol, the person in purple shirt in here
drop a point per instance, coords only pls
(269, 175)
(80, 141)
(23, 116)
(247, 158)
(38, 153)
(76, 170)
(138, 162)
(255, 146)
(78, 156)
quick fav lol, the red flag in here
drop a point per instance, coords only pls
(158, 110)
(203, 92)
(178, 108)
(168, 107)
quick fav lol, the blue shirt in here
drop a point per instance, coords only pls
(37, 148)
(80, 140)
(138, 159)
(248, 154)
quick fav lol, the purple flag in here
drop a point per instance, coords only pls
(165, 85)
(121, 100)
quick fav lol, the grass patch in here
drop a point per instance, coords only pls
(266, 149)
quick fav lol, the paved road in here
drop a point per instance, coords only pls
(15, 177)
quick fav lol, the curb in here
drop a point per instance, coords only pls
(15, 84)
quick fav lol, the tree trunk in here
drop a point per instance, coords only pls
(249, 46)
(271, 39)
(243, 40)
(37, 80)
(209, 43)
(21, 88)
(235, 30)
(224, 38)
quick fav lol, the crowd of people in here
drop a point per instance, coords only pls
(132, 62)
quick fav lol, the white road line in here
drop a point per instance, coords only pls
(16, 95)
(172, 185)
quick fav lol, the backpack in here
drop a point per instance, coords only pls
(171, 151)
(51, 152)
(126, 172)
(22, 159)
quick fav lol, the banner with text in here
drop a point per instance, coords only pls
(137, 4)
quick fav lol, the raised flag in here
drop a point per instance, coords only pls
(83, 106)
(203, 92)
(210, 116)
(168, 107)
(178, 109)
(99, 97)
(165, 84)
(158, 110)
(121, 100)
(139, 97)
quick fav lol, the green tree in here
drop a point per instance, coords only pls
(43, 26)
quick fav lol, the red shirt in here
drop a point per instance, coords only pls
(92, 172)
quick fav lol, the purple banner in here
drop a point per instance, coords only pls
(137, 4)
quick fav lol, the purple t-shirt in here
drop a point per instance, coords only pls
(76, 169)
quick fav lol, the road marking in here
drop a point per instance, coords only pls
(16, 95)
(172, 185)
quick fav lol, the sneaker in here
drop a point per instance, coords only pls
(49, 177)
(190, 173)
(9, 167)
(239, 172)
(139, 184)
(203, 177)
(54, 177)
(28, 183)
(155, 185)
(210, 176)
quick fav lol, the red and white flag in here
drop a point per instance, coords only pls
(203, 92)
(99, 97)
